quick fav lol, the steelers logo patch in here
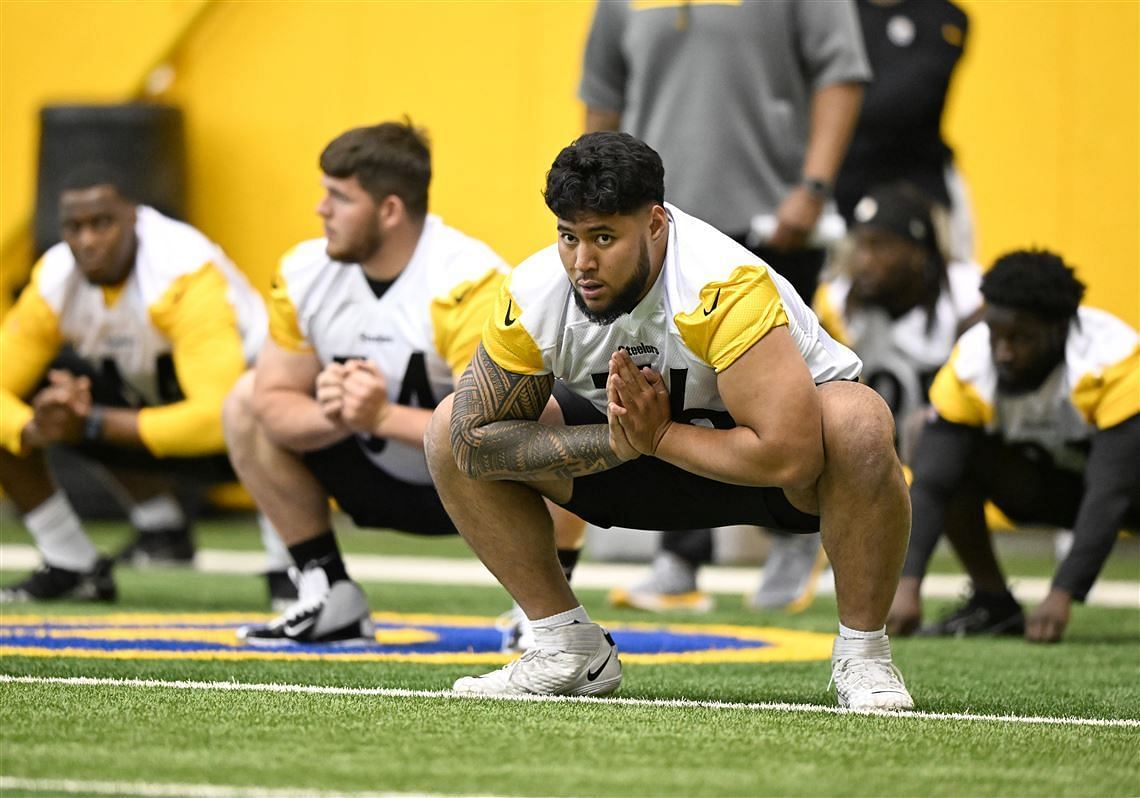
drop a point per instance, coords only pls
(439, 639)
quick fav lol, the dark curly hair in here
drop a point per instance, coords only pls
(1034, 280)
(604, 173)
(389, 158)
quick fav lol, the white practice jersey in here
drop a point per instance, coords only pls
(420, 333)
(711, 302)
(901, 356)
(1098, 386)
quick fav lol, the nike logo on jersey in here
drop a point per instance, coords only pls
(507, 320)
(716, 299)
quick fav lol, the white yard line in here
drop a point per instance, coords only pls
(161, 790)
(388, 692)
(713, 579)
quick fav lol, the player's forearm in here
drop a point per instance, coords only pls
(528, 451)
(834, 112)
(404, 424)
(15, 414)
(741, 457)
(598, 119)
(294, 421)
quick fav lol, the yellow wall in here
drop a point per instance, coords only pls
(1044, 115)
(1045, 119)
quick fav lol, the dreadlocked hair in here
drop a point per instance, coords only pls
(1034, 280)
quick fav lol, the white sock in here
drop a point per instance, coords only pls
(562, 619)
(277, 557)
(854, 634)
(59, 535)
(158, 513)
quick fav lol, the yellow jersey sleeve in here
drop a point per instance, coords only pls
(1113, 396)
(208, 359)
(830, 315)
(458, 318)
(732, 316)
(284, 328)
(507, 341)
(29, 338)
(958, 401)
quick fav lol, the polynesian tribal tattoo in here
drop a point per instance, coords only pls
(495, 433)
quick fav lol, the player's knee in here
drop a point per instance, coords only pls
(857, 422)
(238, 419)
(437, 438)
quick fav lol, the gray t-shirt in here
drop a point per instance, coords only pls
(722, 92)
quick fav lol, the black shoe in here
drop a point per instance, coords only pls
(324, 614)
(282, 591)
(980, 614)
(48, 583)
(162, 547)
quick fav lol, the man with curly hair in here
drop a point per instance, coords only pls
(1038, 411)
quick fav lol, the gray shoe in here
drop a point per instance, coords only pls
(670, 587)
(322, 615)
(790, 573)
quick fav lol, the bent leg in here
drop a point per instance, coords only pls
(282, 486)
(863, 503)
(505, 523)
(26, 479)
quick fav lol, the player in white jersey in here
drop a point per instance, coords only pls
(695, 390)
(368, 328)
(156, 325)
(1038, 411)
(899, 305)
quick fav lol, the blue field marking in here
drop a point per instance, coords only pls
(398, 637)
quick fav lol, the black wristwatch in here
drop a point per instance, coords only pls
(820, 189)
(93, 424)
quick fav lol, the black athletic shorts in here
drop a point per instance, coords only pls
(648, 493)
(374, 498)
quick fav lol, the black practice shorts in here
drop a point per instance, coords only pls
(648, 493)
(374, 498)
(1025, 484)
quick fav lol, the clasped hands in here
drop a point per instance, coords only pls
(354, 394)
(59, 410)
(638, 408)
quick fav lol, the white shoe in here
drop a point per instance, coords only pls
(322, 615)
(670, 587)
(864, 676)
(574, 659)
(790, 574)
(518, 634)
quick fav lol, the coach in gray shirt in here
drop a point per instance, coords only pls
(751, 104)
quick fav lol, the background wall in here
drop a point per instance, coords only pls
(1044, 114)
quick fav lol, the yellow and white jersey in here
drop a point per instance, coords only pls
(421, 333)
(901, 356)
(1098, 386)
(185, 312)
(711, 302)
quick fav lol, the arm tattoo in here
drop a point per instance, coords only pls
(495, 433)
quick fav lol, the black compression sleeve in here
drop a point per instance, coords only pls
(940, 463)
(1112, 485)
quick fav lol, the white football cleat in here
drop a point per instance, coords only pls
(574, 659)
(864, 676)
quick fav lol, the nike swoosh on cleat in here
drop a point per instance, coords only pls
(592, 675)
(295, 630)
